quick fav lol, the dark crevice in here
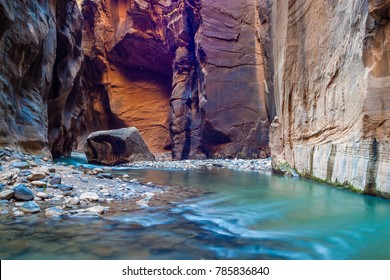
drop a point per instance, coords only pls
(372, 169)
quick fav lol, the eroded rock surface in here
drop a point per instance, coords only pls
(331, 87)
(113, 147)
(188, 74)
(40, 62)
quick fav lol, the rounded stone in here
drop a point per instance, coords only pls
(54, 212)
(89, 196)
(30, 207)
(20, 165)
(22, 193)
(36, 176)
(42, 195)
(6, 195)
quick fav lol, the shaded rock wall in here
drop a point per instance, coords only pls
(188, 74)
(27, 56)
(331, 90)
(40, 61)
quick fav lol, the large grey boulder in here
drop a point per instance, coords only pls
(118, 146)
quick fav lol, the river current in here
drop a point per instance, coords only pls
(242, 215)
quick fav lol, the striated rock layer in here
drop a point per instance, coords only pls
(40, 61)
(188, 74)
(332, 83)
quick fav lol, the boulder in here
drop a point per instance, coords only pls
(118, 146)
(22, 193)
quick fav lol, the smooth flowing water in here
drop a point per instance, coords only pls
(245, 215)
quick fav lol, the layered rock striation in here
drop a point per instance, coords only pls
(188, 74)
(40, 62)
(331, 64)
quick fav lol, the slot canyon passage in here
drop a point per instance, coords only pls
(194, 129)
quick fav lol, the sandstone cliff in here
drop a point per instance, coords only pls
(188, 74)
(331, 63)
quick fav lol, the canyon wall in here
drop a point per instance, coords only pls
(27, 56)
(331, 63)
(188, 74)
(40, 60)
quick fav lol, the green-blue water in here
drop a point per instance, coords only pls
(246, 215)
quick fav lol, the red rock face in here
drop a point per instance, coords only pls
(189, 74)
(197, 62)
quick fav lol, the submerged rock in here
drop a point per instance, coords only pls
(117, 146)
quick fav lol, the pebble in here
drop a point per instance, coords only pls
(55, 181)
(106, 175)
(6, 195)
(30, 207)
(90, 196)
(22, 193)
(97, 209)
(74, 201)
(20, 165)
(54, 212)
(65, 188)
(42, 195)
(39, 184)
(36, 176)
(97, 171)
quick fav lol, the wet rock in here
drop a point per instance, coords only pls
(105, 175)
(30, 207)
(54, 212)
(90, 196)
(20, 165)
(42, 195)
(22, 193)
(52, 169)
(97, 209)
(55, 180)
(113, 147)
(96, 171)
(39, 184)
(6, 195)
(35, 176)
(74, 201)
(65, 188)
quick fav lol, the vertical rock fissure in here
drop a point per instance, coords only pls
(372, 168)
(330, 164)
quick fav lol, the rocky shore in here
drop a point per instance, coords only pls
(238, 164)
(36, 185)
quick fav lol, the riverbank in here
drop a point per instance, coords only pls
(238, 164)
(37, 185)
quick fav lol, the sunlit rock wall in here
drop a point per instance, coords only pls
(331, 61)
(188, 74)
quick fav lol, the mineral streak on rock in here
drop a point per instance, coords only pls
(188, 74)
(331, 64)
(27, 56)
